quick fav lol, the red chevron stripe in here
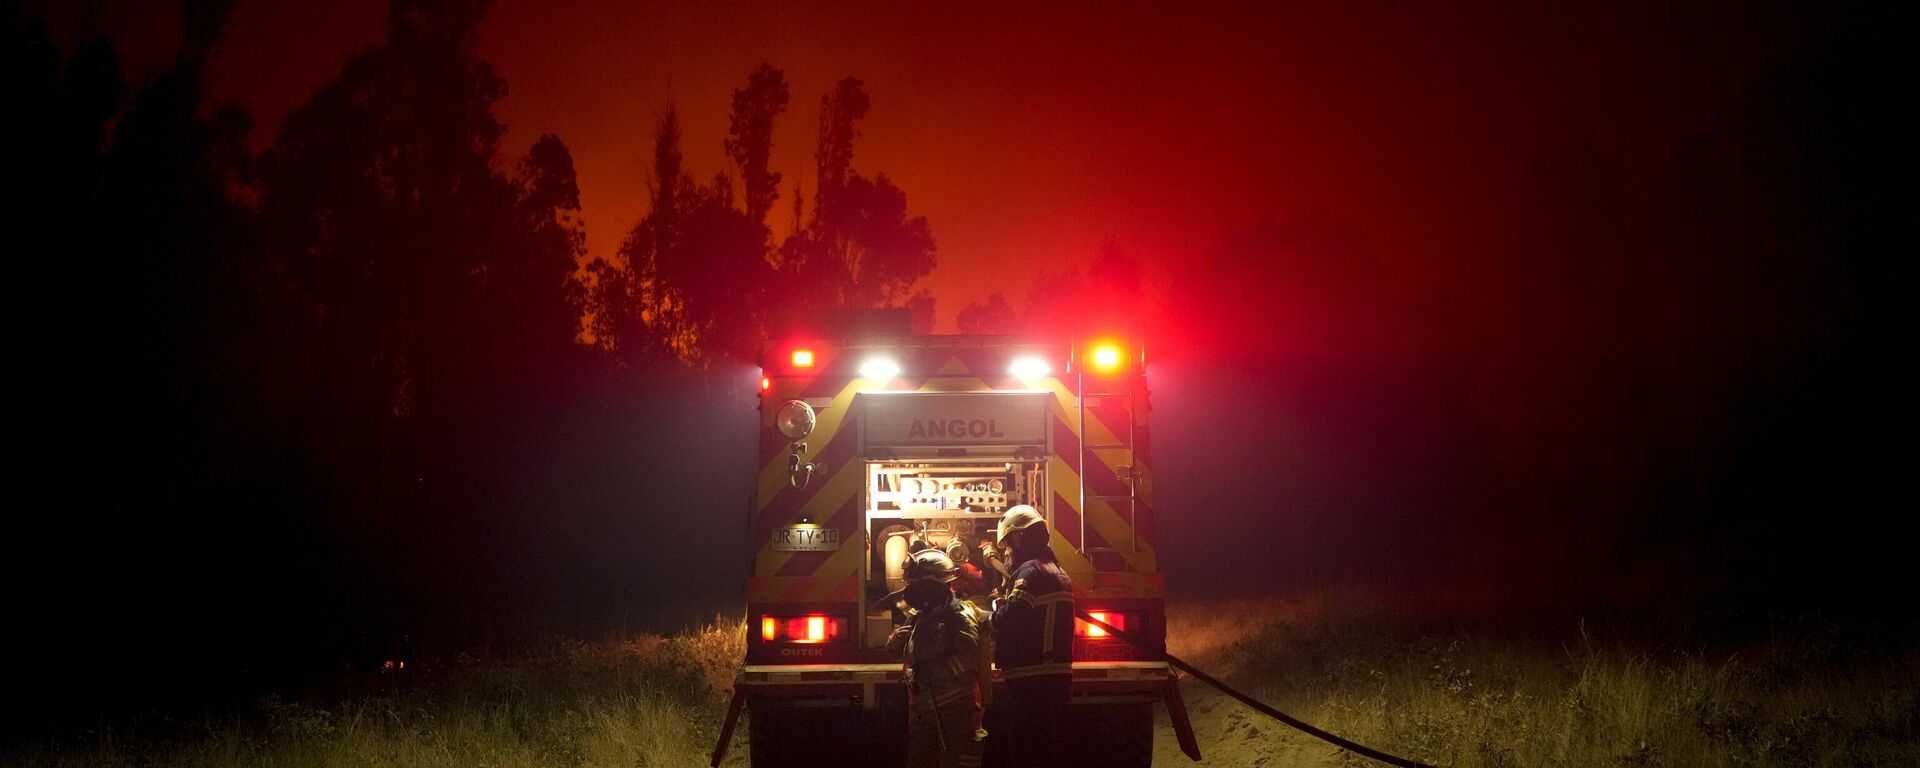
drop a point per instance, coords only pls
(848, 590)
(1065, 444)
(796, 590)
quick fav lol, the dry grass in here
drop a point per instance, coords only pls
(1477, 701)
(649, 701)
(1455, 700)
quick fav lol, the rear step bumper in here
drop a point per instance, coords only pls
(843, 682)
(841, 685)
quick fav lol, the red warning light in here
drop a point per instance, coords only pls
(766, 383)
(803, 358)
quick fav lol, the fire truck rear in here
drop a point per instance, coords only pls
(872, 446)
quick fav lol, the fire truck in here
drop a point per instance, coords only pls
(870, 443)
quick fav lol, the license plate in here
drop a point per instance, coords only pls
(806, 538)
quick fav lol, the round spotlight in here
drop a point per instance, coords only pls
(879, 368)
(795, 419)
(1029, 367)
(1107, 358)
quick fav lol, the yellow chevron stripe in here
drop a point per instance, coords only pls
(844, 483)
(1070, 559)
(1113, 527)
(1062, 400)
(955, 384)
(844, 563)
(773, 476)
(1102, 518)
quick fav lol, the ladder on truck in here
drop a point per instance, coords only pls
(1127, 473)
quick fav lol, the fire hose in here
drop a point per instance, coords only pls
(1256, 704)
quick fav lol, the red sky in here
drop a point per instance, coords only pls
(1031, 135)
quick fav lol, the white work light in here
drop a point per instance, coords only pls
(1029, 367)
(879, 368)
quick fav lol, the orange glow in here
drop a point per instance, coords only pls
(1107, 358)
(803, 358)
(769, 628)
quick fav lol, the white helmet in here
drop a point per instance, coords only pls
(931, 564)
(1019, 518)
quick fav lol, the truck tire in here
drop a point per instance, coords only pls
(1114, 735)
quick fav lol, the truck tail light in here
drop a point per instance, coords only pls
(1125, 621)
(811, 628)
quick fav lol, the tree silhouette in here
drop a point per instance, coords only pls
(695, 279)
(533, 274)
(859, 248)
(1109, 297)
(432, 291)
(750, 137)
(994, 317)
(689, 278)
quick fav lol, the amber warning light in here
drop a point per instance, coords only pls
(1107, 358)
(803, 358)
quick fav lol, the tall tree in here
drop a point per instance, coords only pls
(690, 277)
(694, 277)
(427, 282)
(750, 137)
(859, 248)
(534, 286)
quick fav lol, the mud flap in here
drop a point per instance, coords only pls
(726, 728)
(1177, 714)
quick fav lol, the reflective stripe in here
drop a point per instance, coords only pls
(1047, 668)
(928, 701)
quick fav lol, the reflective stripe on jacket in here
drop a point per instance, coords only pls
(941, 650)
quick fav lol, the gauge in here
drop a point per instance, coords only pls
(996, 486)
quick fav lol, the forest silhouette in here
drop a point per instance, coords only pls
(362, 394)
(344, 385)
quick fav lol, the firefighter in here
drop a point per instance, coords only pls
(1034, 626)
(941, 644)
